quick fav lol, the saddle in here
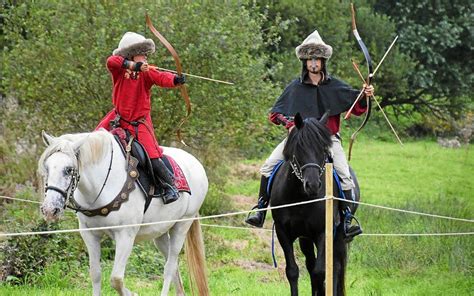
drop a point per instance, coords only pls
(146, 180)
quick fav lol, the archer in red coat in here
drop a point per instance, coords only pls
(132, 80)
(132, 100)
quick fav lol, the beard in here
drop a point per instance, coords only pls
(314, 68)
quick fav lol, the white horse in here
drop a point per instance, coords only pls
(76, 166)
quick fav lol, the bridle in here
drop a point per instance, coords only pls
(298, 170)
(67, 194)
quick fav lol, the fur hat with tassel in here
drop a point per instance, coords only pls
(313, 47)
(133, 44)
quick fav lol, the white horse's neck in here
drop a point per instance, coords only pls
(91, 192)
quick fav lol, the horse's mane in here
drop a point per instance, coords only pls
(313, 136)
(92, 149)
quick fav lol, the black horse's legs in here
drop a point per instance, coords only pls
(340, 261)
(292, 271)
(339, 264)
(320, 265)
(307, 247)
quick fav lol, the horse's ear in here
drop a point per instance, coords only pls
(299, 122)
(47, 139)
(324, 118)
(77, 145)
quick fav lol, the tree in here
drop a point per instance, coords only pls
(437, 36)
(432, 37)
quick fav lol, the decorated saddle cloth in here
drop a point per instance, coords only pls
(145, 169)
(337, 179)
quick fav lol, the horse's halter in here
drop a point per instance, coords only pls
(298, 170)
(69, 191)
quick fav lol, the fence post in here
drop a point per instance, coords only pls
(329, 230)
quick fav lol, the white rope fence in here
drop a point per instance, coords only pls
(159, 222)
(363, 234)
(247, 228)
(20, 199)
(405, 211)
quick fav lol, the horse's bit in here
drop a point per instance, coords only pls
(298, 170)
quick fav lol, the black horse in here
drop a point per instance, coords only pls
(301, 178)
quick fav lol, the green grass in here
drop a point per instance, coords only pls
(420, 176)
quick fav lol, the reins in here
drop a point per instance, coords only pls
(73, 205)
(122, 196)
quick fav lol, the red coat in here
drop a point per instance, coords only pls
(132, 100)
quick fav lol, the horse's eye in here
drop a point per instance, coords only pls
(68, 171)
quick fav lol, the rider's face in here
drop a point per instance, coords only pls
(139, 58)
(314, 65)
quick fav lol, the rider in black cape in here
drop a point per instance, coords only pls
(312, 94)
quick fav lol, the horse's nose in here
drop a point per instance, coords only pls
(311, 186)
(50, 213)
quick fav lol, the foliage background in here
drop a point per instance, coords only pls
(53, 78)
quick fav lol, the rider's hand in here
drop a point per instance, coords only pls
(368, 90)
(179, 79)
(292, 126)
(144, 67)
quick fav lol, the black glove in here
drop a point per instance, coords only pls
(137, 67)
(179, 79)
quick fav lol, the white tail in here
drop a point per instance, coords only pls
(196, 259)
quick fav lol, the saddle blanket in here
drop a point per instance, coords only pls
(180, 181)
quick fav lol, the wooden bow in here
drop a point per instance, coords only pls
(368, 80)
(182, 88)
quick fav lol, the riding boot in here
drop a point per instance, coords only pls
(258, 218)
(350, 230)
(164, 179)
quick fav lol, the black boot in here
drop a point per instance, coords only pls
(257, 218)
(350, 230)
(164, 179)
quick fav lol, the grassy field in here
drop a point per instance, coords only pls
(420, 176)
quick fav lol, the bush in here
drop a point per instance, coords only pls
(24, 258)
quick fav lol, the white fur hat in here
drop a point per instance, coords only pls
(133, 44)
(313, 47)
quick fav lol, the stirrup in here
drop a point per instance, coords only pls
(350, 231)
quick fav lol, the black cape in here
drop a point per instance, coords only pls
(313, 100)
